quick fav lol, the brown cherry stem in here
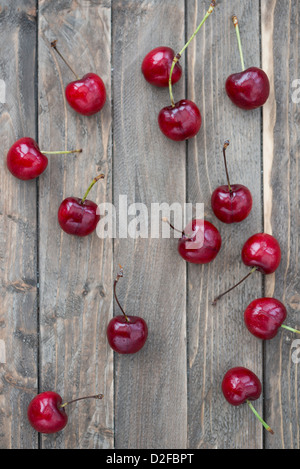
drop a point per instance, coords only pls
(53, 44)
(101, 176)
(120, 274)
(236, 285)
(97, 396)
(226, 144)
(164, 219)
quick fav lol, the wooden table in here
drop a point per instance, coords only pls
(56, 290)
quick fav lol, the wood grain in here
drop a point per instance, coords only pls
(217, 339)
(150, 388)
(280, 54)
(76, 274)
(18, 272)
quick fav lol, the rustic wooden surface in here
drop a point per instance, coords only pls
(56, 290)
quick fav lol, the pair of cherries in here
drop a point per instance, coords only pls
(248, 89)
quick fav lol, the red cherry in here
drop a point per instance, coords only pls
(231, 203)
(261, 252)
(264, 316)
(157, 64)
(86, 95)
(26, 161)
(181, 121)
(250, 88)
(200, 242)
(47, 414)
(78, 216)
(241, 385)
(126, 334)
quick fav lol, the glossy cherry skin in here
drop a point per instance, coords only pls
(157, 64)
(264, 316)
(127, 337)
(180, 122)
(24, 159)
(240, 384)
(249, 89)
(44, 413)
(262, 251)
(201, 243)
(87, 95)
(231, 206)
(77, 218)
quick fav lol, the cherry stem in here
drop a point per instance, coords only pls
(97, 396)
(53, 44)
(226, 144)
(178, 56)
(164, 219)
(290, 328)
(101, 176)
(227, 291)
(267, 427)
(237, 30)
(61, 152)
(120, 274)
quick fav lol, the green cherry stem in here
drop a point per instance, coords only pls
(120, 275)
(267, 427)
(227, 291)
(97, 396)
(237, 30)
(178, 56)
(53, 45)
(101, 176)
(226, 144)
(61, 152)
(290, 328)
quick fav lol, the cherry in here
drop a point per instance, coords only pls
(261, 252)
(157, 64)
(46, 412)
(26, 161)
(182, 120)
(231, 203)
(200, 242)
(126, 334)
(86, 95)
(241, 385)
(250, 88)
(264, 316)
(78, 216)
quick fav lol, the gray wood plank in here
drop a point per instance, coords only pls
(18, 285)
(280, 55)
(217, 339)
(150, 387)
(76, 274)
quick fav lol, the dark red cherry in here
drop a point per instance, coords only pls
(157, 64)
(126, 334)
(181, 121)
(231, 203)
(200, 242)
(264, 316)
(241, 385)
(249, 89)
(263, 252)
(26, 161)
(86, 95)
(46, 412)
(79, 216)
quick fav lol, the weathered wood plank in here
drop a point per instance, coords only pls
(280, 58)
(217, 339)
(76, 274)
(150, 387)
(18, 313)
